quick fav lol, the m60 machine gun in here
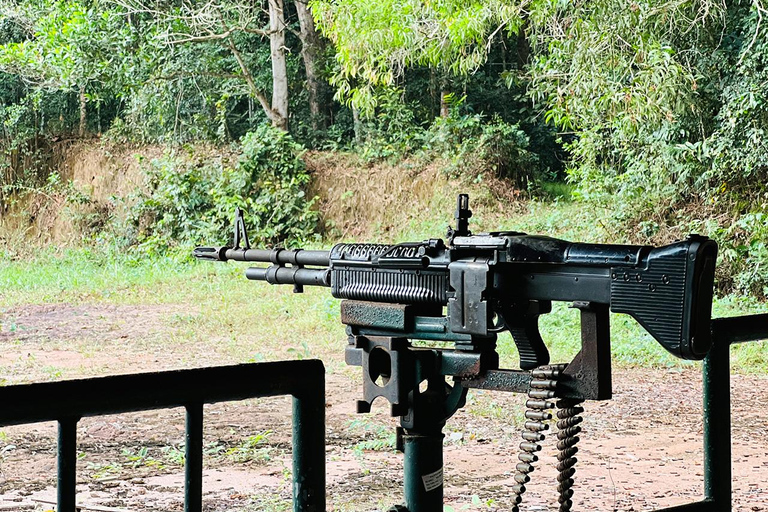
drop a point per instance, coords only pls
(467, 289)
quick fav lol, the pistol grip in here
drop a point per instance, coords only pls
(522, 321)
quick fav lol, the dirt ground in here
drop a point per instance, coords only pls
(640, 451)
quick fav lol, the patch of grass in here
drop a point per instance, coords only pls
(174, 455)
(556, 190)
(83, 275)
(268, 503)
(141, 457)
(253, 449)
(378, 437)
(485, 405)
(52, 372)
(102, 470)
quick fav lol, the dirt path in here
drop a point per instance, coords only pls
(640, 451)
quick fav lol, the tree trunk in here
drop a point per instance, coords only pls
(445, 105)
(81, 130)
(311, 50)
(357, 125)
(279, 69)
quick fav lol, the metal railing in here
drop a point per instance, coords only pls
(717, 410)
(68, 401)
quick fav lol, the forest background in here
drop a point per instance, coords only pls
(651, 115)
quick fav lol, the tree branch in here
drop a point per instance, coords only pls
(251, 83)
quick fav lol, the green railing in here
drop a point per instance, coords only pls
(717, 410)
(68, 401)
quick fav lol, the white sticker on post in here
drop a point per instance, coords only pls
(433, 480)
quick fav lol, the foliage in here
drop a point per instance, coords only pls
(195, 91)
(189, 201)
(393, 131)
(253, 449)
(738, 146)
(477, 147)
(72, 43)
(745, 248)
(376, 41)
(473, 144)
(377, 437)
(162, 72)
(626, 81)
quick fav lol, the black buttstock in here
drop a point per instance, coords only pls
(671, 296)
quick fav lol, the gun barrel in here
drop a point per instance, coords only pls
(290, 275)
(277, 256)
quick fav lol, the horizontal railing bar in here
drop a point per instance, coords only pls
(739, 329)
(699, 506)
(49, 401)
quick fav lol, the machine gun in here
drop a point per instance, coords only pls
(466, 290)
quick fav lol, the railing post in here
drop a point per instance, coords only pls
(309, 444)
(193, 458)
(717, 426)
(68, 401)
(66, 461)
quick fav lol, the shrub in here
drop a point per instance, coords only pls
(192, 201)
(475, 147)
(748, 253)
(392, 132)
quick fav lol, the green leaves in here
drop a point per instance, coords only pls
(376, 41)
(71, 44)
(189, 203)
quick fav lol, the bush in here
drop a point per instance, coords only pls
(190, 202)
(475, 147)
(392, 132)
(748, 254)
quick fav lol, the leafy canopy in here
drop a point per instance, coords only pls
(376, 41)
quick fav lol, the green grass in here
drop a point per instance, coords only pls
(84, 275)
(252, 321)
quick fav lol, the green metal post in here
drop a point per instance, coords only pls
(717, 426)
(309, 444)
(193, 463)
(67, 465)
(423, 471)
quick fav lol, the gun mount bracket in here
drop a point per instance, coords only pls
(591, 367)
(388, 370)
(587, 377)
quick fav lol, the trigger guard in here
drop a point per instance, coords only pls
(500, 325)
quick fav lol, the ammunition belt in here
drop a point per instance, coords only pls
(542, 392)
